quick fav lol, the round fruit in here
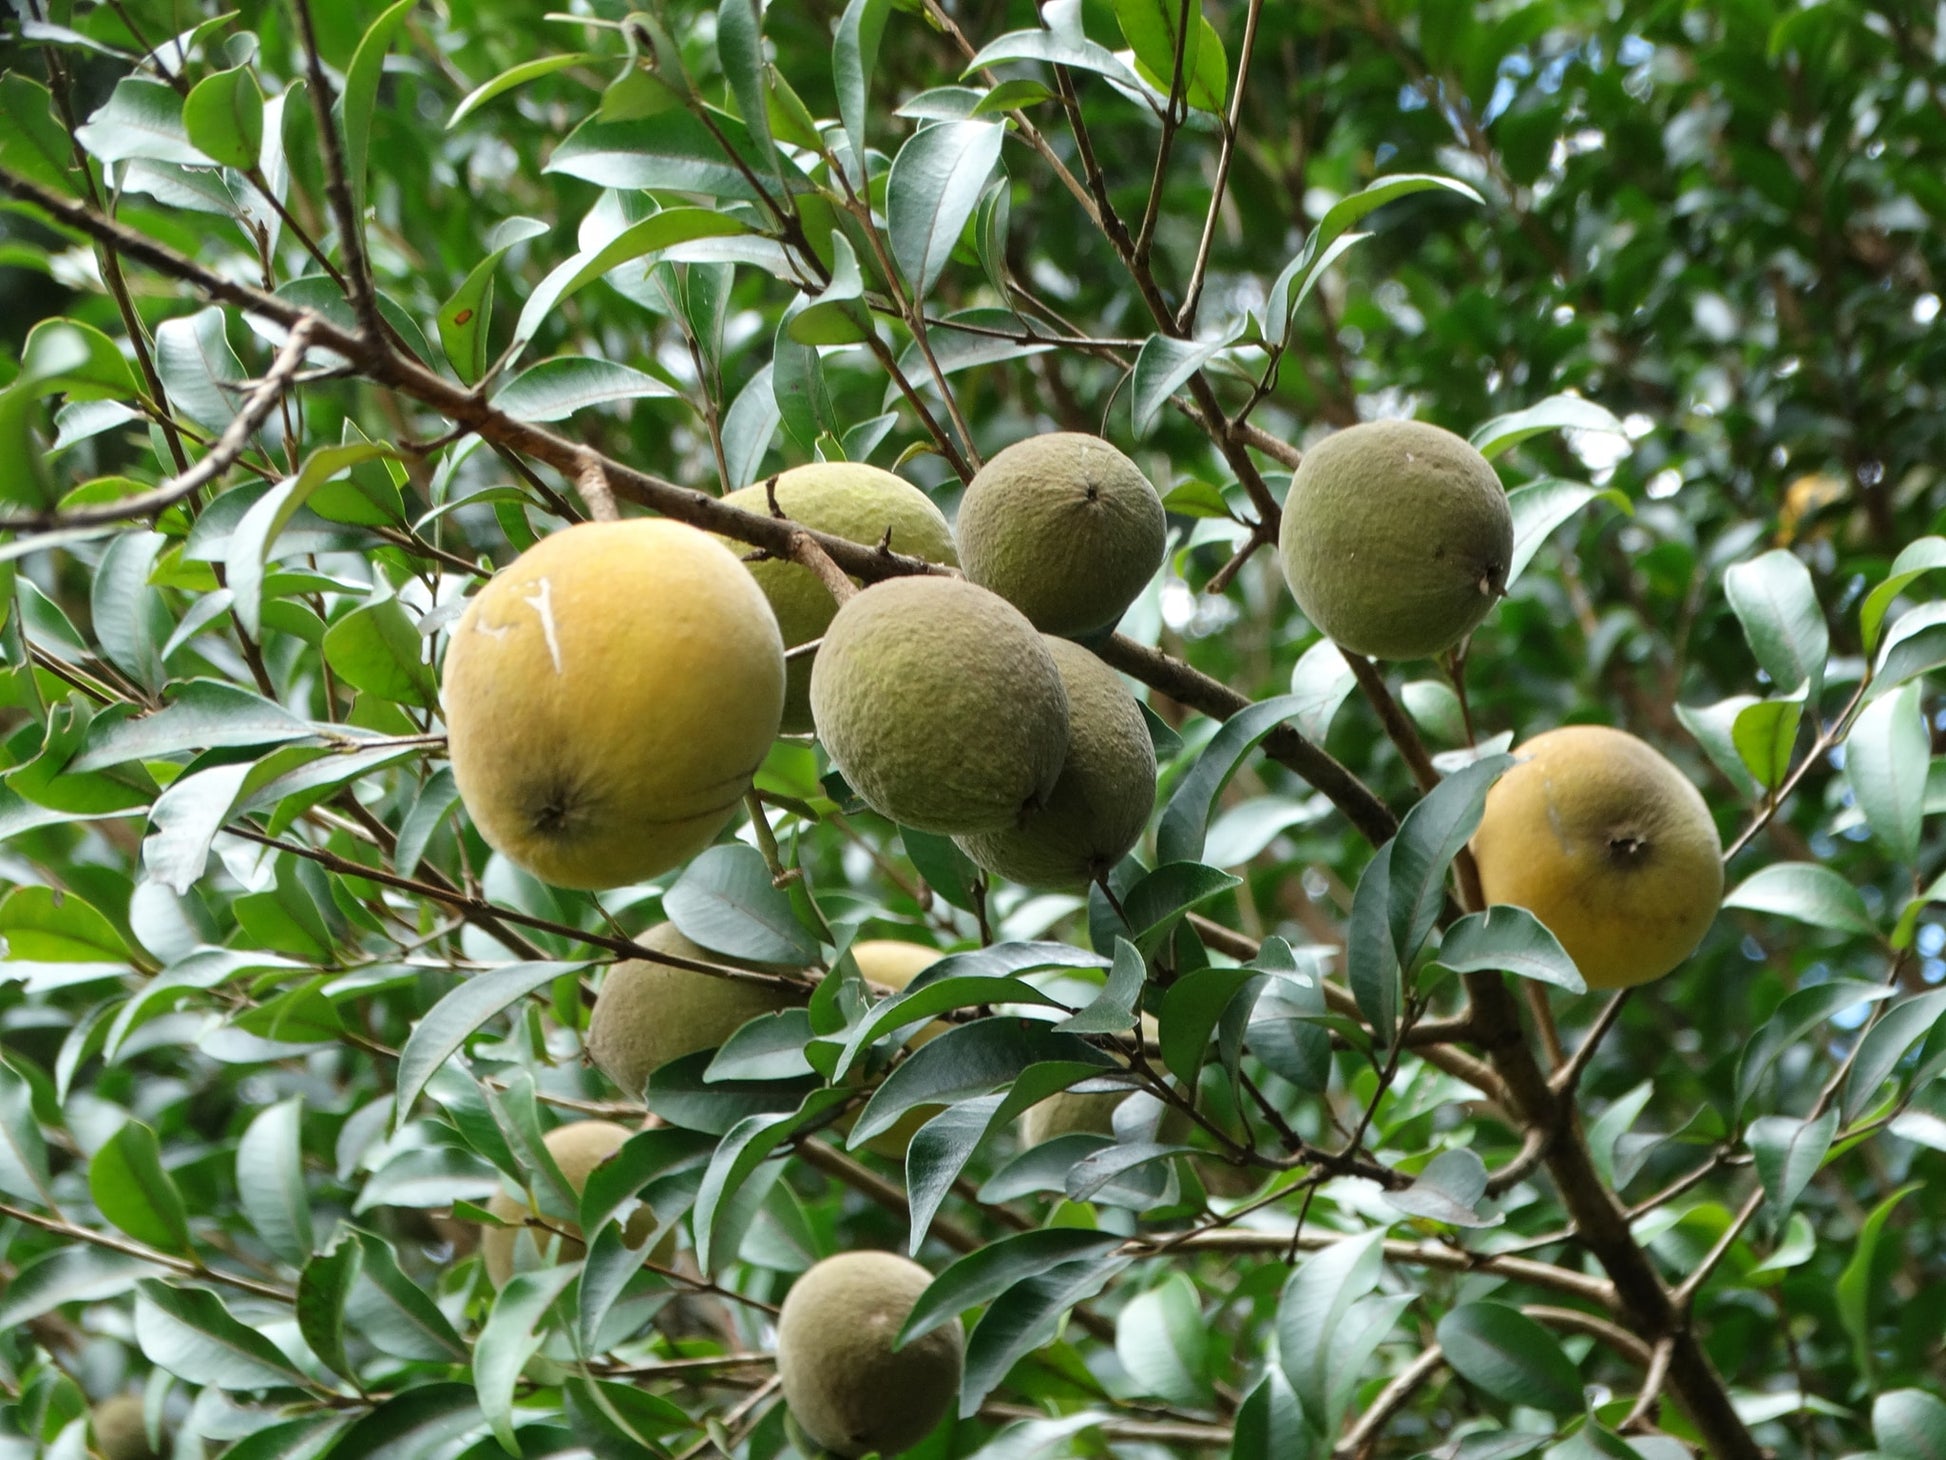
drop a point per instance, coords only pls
(121, 1432)
(941, 705)
(608, 697)
(1065, 528)
(648, 1013)
(1098, 808)
(1610, 846)
(846, 499)
(846, 1386)
(577, 1148)
(1396, 538)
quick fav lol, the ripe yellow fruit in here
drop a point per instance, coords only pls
(577, 1148)
(845, 1385)
(1610, 846)
(846, 499)
(608, 696)
(1064, 527)
(1396, 538)
(941, 705)
(121, 1433)
(1098, 808)
(648, 1014)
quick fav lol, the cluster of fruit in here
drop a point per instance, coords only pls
(610, 695)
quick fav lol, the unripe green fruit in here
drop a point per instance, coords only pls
(648, 1014)
(846, 499)
(577, 1148)
(941, 705)
(1099, 806)
(1610, 846)
(1065, 528)
(121, 1433)
(1396, 538)
(608, 697)
(845, 1385)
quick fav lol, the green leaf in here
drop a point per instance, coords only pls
(184, 821)
(190, 1333)
(1157, 903)
(1765, 736)
(23, 1152)
(1185, 820)
(740, 53)
(1191, 1010)
(424, 1420)
(854, 56)
(1885, 1044)
(141, 118)
(378, 649)
(1556, 413)
(1714, 728)
(1915, 560)
(1270, 1422)
(1151, 30)
(1429, 837)
(1910, 1424)
(1314, 1306)
(1510, 1356)
(203, 714)
(512, 77)
(1113, 1010)
(42, 925)
(1163, 1343)
(1887, 755)
(1778, 608)
(1915, 645)
(1290, 286)
(935, 185)
(1808, 892)
(1509, 940)
(129, 617)
(1543, 505)
(323, 1288)
(75, 1273)
(135, 1193)
(1855, 1286)
(1162, 367)
(726, 902)
(224, 117)
(555, 389)
(1057, 46)
(270, 1181)
(1449, 1190)
(199, 369)
(438, 1036)
(511, 1335)
(77, 361)
(358, 103)
(394, 1313)
(1797, 1016)
(749, 1143)
(670, 150)
(32, 142)
(1373, 967)
(985, 1273)
(463, 318)
(1024, 1318)
(1788, 1153)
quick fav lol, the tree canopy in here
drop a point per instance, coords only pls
(319, 312)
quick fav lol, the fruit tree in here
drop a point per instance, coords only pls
(969, 728)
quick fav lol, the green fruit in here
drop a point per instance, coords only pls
(846, 1386)
(941, 705)
(1608, 844)
(608, 696)
(1099, 806)
(577, 1148)
(848, 500)
(121, 1432)
(1065, 528)
(648, 1014)
(1396, 538)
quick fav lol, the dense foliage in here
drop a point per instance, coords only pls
(317, 312)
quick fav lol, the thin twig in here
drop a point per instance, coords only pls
(337, 187)
(592, 482)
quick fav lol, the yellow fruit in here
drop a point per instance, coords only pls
(577, 1148)
(845, 1385)
(1065, 528)
(1102, 801)
(941, 705)
(849, 500)
(648, 1014)
(608, 697)
(1396, 538)
(1610, 846)
(121, 1433)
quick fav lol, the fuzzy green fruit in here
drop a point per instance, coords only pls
(1610, 846)
(608, 696)
(846, 499)
(1065, 528)
(846, 1386)
(1396, 538)
(941, 705)
(648, 1014)
(577, 1148)
(1099, 806)
(121, 1432)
